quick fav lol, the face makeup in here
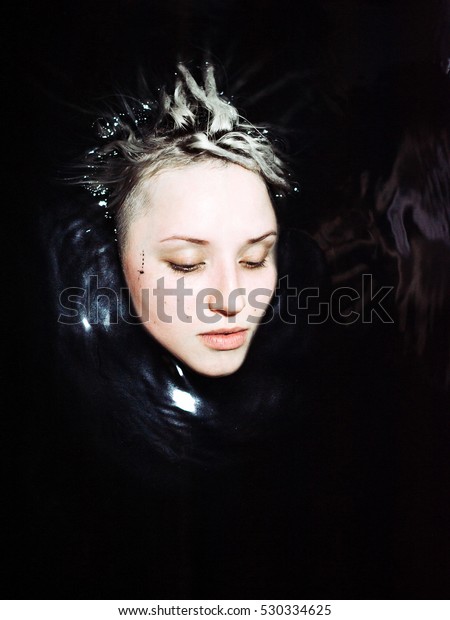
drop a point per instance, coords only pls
(208, 234)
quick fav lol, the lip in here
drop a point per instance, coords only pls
(225, 339)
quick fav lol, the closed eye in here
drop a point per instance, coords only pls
(185, 268)
(254, 265)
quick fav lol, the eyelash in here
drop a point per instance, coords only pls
(185, 268)
(191, 268)
(257, 265)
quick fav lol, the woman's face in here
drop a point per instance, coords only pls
(200, 263)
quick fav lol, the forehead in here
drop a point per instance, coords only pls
(206, 199)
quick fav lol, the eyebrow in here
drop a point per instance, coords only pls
(203, 242)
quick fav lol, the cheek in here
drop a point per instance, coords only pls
(164, 308)
(261, 290)
(141, 283)
(141, 276)
(264, 279)
(271, 278)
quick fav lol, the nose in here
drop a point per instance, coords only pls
(227, 297)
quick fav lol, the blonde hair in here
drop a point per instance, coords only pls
(194, 124)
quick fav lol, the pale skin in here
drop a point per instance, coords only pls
(212, 224)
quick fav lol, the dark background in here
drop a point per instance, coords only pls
(318, 68)
(339, 75)
(315, 67)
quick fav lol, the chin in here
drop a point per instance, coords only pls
(217, 368)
